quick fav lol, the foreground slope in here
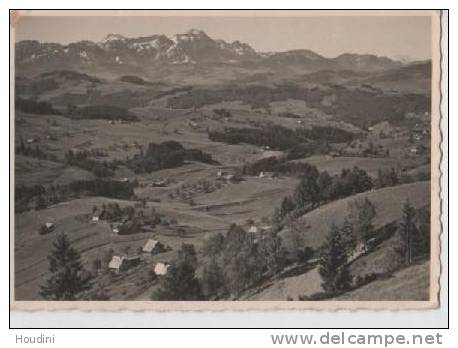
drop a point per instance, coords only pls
(408, 284)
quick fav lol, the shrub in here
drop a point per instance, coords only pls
(169, 154)
(276, 137)
(106, 112)
(35, 107)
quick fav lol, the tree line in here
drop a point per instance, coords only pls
(33, 151)
(39, 197)
(274, 136)
(35, 107)
(299, 142)
(168, 154)
(315, 188)
(104, 112)
(82, 159)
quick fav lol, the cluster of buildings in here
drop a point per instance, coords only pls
(257, 232)
(159, 183)
(226, 176)
(122, 263)
(268, 175)
(420, 131)
(231, 177)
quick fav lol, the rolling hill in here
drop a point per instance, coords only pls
(388, 203)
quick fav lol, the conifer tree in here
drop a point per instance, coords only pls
(40, 203)
(307, 191)
(423, 243)
(333, 262)
(408, 231)
(348, 236)
(324, 183)
(68, 277)
(287, 206)
(362, 215)
(212, 278)
(293, 238)
(273, 253)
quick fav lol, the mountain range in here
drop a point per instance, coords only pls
(120, 54)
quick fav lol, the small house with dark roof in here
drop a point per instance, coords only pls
(122, 263)
(153, 246)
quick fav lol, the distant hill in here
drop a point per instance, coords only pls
(408, 78)
(414, 78)
(365, 62)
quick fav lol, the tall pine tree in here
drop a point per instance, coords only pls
(307, 191)
(287, 206)
(212, 278)
(362, 214)
(333, 262)
(348, 236)
(408, 232)
(68, 277)
(423, 243)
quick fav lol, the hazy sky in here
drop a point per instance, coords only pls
(395, 37)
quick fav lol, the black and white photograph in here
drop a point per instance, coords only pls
(197, 160)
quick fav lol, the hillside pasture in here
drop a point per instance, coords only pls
(334, 165)
(252, 198)
(305, 284)
(388, 203)
(92, 240)
(408, 284)
(32, 171)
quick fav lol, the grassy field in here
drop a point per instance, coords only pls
(212, 212)
(388, 202)
(383, 260)
(31, 171)
(305, 284)
(233, 203)
(92, 240)
(252, 198)
(409, 284)
(200, 213)
(119, 141)
(334, 165)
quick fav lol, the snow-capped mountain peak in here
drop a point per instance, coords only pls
(114, 37)
(191, 47)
